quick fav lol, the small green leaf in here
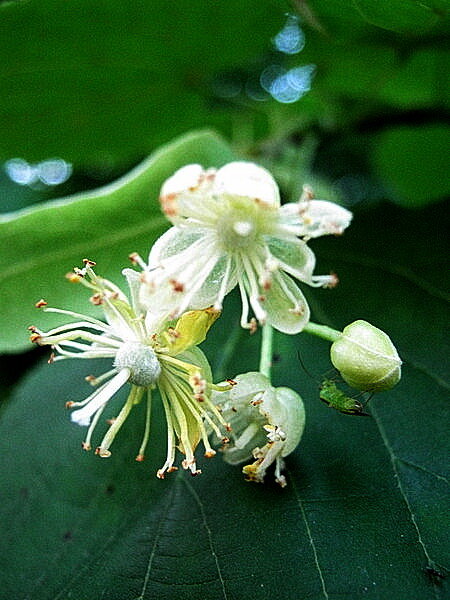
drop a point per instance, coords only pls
(41, 244)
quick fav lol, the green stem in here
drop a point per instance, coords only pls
(265, 363)
(322, 331)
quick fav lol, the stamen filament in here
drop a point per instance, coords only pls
(148, 412)
(103, 449)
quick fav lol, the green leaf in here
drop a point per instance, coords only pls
(412, 162)
(41, 244)
(100, 81)
(366, 506)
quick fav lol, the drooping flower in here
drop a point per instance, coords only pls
(267, 424)
(229, 229)
(146, 352)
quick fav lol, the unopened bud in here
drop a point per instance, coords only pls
(366, 358)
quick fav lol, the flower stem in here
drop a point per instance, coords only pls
(265, 362)
(322, 331)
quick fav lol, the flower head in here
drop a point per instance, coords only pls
(146, 351)
(267, 424)
(229, 229)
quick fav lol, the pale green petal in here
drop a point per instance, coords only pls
(294, 257)
(208, 293)
(286, 307)
(134, 283)
(172, 242)
(292, 422)
(314, 218)
(195, 356)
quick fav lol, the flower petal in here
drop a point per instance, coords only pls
(183, 180)
(291, 417)
(248, 180)
(294, 257)
(286, 307)
(173, 241)
(313, 218)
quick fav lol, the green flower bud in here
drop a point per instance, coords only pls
(366, 358)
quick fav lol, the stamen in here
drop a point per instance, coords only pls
(103, 449)
(94, 381)
(141, 454)
(168, 465)
(83, 415)
(137, 260)
(327, 281)
(86, 445)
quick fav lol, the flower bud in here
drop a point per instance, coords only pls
(366, 358)
(266, 423)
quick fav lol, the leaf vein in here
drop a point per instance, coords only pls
(209, 533)
(394, 460)
(308, 531)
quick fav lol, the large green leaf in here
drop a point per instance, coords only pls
(366, 508)
(39, 245)
(102, 81)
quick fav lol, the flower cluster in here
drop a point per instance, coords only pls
(228, 229)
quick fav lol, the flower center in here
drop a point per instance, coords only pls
(142, 362)
(236, 231)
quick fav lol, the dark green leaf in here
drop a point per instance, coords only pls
(412, 162)
(103, 81)
(366, 507)
(41, 244)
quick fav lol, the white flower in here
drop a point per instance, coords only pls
(267, 424)
(229, 229)
(146, 352)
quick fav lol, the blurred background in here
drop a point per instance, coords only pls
(355, 94)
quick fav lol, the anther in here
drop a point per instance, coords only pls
(307, 194)
(41, 303)
(91, 379)
(334, 280)
(140, 457)
(210, 454)
(51, 358)
(102, 452)
(69, 404)
(89, 263)
(35, 337)
(96, 299)
(176, 285)
(232, 382)
(74, 277)
(85, 446)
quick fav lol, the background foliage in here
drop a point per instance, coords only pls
(101, 85)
